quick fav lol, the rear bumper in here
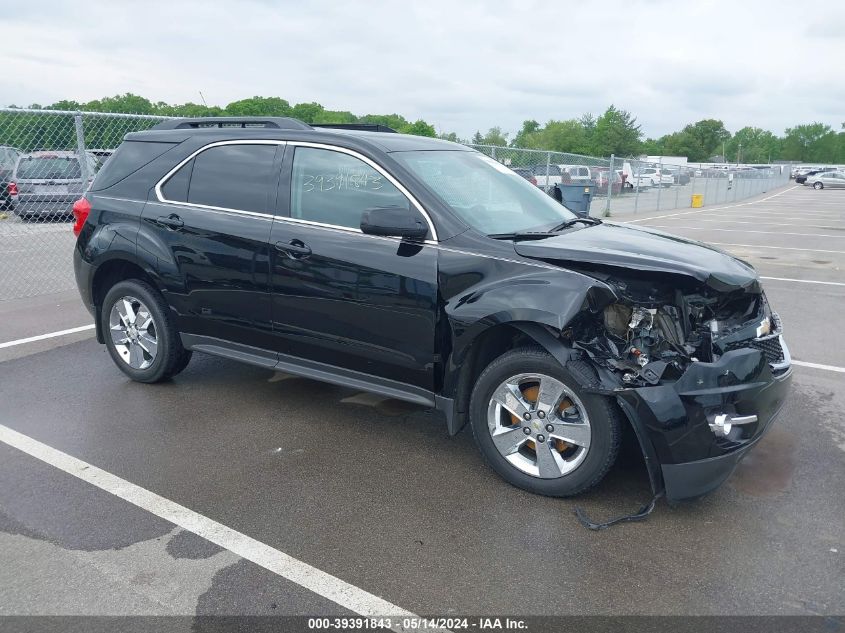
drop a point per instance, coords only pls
(673, 419)
(44, 205)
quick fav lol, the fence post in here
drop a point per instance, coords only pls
(610, 174)
(692, 191)
(80, 148)
(493, 153)
(548, 170)
(659, 181)
(706, 176)
(637, 194)
(677, 187)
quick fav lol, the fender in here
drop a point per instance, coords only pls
(501, 295)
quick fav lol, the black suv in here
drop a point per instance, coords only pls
(423, 270)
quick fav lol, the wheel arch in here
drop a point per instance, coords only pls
(500, 338)
(468, 361)
(111, 271)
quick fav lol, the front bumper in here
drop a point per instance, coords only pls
(672, 420)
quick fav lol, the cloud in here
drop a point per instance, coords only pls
(465, 66)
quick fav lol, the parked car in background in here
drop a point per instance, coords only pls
(526, 173)
(46, 184)
(802, 178)
(547, 176)
(8, 157)
(578, 174)
(600, 180)
(680, 176)
(632, 180)
(102, 154)
(803, 170)
(829, 179)
(657, 176)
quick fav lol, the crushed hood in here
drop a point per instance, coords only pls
(641, 248)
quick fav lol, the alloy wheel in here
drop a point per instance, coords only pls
(133, 332)
(539, 425)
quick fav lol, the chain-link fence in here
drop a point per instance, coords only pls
(48, 158)
(621, 186)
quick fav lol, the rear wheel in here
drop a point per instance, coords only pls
(140, 334)
(538, 429)
(818, 185)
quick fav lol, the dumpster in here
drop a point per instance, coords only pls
(697, 200)
(575, 197)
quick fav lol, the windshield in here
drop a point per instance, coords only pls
(37, 168)
(485, 194)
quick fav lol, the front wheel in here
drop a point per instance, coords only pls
(538, 429)
(818, 185)
(140, 334)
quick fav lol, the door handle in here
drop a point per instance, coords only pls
(295, 249)
(172, 221)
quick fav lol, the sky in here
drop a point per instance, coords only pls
(463, 65)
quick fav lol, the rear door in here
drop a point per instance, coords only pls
(210, 229)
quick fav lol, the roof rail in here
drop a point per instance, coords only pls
(278, 122)
(366, 127)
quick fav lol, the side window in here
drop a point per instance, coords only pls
(233, 177)
(335, 188)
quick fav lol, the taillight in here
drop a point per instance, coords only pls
(12, 188)
(81, 209)
(533, 181)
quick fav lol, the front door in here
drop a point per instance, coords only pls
(341, 298)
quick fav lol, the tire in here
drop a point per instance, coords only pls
(576, 468)
(146, 351)
(818, 185)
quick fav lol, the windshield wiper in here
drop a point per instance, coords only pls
(521, 235)
(565, 225)
(539, 235)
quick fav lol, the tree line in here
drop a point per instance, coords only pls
(615, 131)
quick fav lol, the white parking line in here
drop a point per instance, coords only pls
(710, 228)
(769, 223)
(709, 209)
(780, 248)
(795, 213)
(805, 281)
(315, 580)
(41, 337)
(801, 363)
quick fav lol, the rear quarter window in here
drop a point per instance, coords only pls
(129, 158)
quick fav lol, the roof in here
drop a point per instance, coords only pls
(283, 128)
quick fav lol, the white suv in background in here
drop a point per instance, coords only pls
(657, 176)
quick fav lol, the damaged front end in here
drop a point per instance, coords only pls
(699, 367)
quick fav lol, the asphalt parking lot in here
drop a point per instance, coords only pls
(379, 504)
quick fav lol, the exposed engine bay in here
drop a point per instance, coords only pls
(658, 327)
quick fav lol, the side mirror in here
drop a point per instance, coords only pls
(394, 222)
